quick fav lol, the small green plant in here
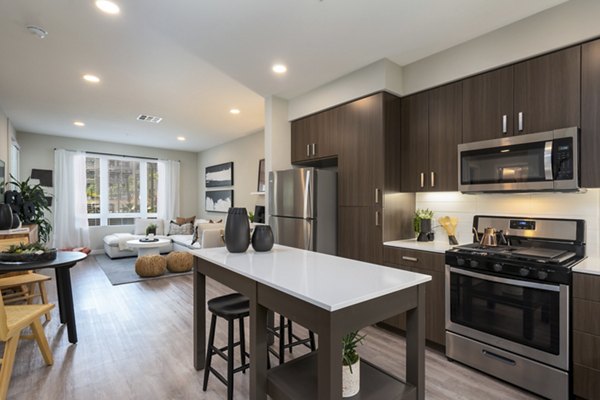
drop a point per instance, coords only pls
(151, 229)
(419, 215)
(349, 344)
(31, 248)
(251, 216)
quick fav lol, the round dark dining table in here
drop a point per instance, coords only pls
(65, 260)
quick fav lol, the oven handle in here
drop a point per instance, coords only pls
(533, 285)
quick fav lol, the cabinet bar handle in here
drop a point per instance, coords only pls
(521, 121)
(308, 150)
(422, 179)
(432, 179)
(505, 124)
(407, 258)
(376, 218)
(314, 149)
(377, 196)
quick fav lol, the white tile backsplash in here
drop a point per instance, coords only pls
(550, 205)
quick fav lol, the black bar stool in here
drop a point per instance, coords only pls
(292, 339)
(230, 307)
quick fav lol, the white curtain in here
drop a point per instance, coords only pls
(70, 208)
(168, 190)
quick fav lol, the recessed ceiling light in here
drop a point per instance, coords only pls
(78, 123)
(108, 7)
(181, 138)
(234, 111)
(91, 78)
(37, 31)
(279, 68)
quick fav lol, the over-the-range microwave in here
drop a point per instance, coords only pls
(545, 161)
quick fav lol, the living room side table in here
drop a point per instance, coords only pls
(147, 248)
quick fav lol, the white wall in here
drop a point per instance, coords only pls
(378, 76)
(37, 151)
(550, 205)
(245, 153)
(560, 26)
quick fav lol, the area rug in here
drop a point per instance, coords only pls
(122, 270)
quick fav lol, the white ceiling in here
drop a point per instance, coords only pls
(190, 61)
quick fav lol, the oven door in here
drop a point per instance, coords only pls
(527, 318)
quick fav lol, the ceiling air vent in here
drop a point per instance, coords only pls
(149, 118)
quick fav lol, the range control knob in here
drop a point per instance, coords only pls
(542, 274)
(497, 267)
(524, 272)
(460, 261)
(474, 263)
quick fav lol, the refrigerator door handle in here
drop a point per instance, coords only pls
(307, 196)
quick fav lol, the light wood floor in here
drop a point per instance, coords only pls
(135, 342)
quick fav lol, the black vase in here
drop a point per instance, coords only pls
(16, 221)
(237, 230)
(6, 216)
(262, 238)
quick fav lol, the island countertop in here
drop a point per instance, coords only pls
(326, 281)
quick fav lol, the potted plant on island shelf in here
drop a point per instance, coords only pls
(351, 364)
(422, 224)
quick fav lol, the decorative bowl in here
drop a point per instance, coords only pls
(48, 255)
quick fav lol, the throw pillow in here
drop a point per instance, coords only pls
(183, 220)
(180, 229)
(195, 235)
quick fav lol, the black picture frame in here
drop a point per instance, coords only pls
(219, 175)
(262, 178)
(218, 200)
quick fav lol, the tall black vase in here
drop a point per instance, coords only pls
(424, 231)
(262, 238)
(6, 216)
(237, 230)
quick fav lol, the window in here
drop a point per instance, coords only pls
(120, 190)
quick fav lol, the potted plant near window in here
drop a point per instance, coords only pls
(351, 364)
(151, 229)
(31, 205)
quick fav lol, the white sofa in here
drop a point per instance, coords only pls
(210, 235)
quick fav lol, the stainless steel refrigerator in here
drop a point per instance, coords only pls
(303, 208)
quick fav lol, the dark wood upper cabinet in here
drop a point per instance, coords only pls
(547, 91)
(431, 131)
(315, 137)
(488, 105)
(414, 148)
(590, 115)
(360, 162)
(445, 134)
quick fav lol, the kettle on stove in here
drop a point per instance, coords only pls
(490, 237)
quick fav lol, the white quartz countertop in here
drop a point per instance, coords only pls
(434, 247)
(329, 282)
(590, 265)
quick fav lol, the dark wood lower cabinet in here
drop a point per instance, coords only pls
(586, 336)
(424, 263)
(359, 237)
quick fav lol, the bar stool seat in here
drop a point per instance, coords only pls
(230, 307)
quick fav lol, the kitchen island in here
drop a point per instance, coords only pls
(330, 296)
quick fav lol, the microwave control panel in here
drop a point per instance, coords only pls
(562, 159)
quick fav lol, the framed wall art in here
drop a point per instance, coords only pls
(218, 200)
(219, 175)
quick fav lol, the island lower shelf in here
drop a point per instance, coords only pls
(297, 379)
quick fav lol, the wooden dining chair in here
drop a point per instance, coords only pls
(17, 287)
(12, 321)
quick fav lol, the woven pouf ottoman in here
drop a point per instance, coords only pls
(149, 266)
(180, 261)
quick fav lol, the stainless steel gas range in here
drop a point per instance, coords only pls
(508, 306)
